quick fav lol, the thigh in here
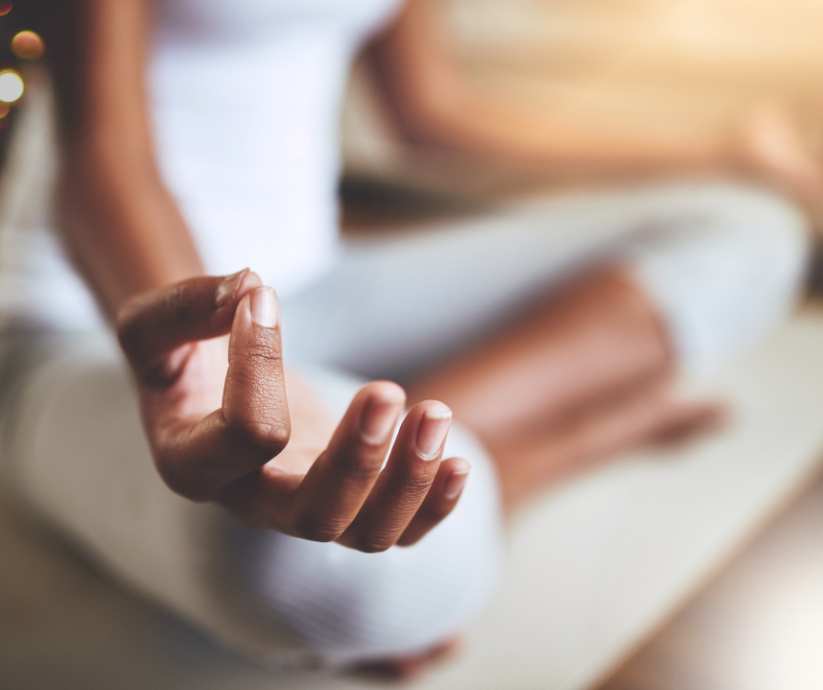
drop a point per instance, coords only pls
(81, 462)
(395, 306)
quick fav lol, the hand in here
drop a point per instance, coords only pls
(216, 414)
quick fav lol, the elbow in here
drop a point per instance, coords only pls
(425, 117)
(428, 127)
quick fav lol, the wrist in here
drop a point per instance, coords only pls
(121, 230)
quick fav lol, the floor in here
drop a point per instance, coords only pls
(647, 532)
(758, 626)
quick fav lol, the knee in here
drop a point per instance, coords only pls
(729, 275)
(774, 238)
(768, 247)
(749, 230)
(348, 606)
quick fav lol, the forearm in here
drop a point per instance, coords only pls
(433, 106)
(119, 223)
(478, 127)
(122, 228)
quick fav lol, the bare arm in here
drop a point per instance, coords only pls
(214, 408)
(119, 223)
(435, 107)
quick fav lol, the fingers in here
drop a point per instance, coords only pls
(253, 424)
(346, 496)
(153, 325)
(337, 485)
(443, 496)
(403, 485)
(255, 409)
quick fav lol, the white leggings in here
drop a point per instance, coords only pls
(723, 263)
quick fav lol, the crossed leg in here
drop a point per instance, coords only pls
(555, 329)
(437, 295)
(584, 375)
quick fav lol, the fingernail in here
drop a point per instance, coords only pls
(431, 434)
(264, 307)
(378, 420)
(456, 482)
(229, 287)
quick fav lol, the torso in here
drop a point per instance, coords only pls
(244, 98)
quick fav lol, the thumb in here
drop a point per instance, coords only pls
(153, 326)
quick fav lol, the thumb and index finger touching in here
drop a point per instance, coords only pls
(158, 331)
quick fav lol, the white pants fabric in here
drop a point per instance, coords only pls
(80, 461)
(723, 263)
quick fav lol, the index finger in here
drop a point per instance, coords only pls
(153, 324)
(253, 424)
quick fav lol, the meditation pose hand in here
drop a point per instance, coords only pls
(216, 414)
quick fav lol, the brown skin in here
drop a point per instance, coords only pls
(576, 372)
(215, 423)
(583, 376)
(599, 334)
(434, 108)
(118, 220)
(582, 440)
(216, 409)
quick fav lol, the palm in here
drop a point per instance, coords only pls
(217, 412)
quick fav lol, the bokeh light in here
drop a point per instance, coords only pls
(5, 8)
(27, 45)
(11, 86)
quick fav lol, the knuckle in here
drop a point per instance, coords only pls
(179, 484)
(409, 540)
(264, 355)
(416, 483)
(127, 326)
(376, 541)
(320, 528)
(177, 304)
(436, 512)
(361, 467)
(441, 509)
(270, 437)
(374, 546)
(263, 350)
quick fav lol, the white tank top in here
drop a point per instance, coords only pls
(245, 102)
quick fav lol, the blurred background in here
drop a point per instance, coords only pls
(750, 615)
(639, 66)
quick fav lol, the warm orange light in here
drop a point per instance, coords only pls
(11, 86)
(5, 8)
(5, 109)
(27, 45)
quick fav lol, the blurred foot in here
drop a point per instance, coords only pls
(598, 435)
(408, 667)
